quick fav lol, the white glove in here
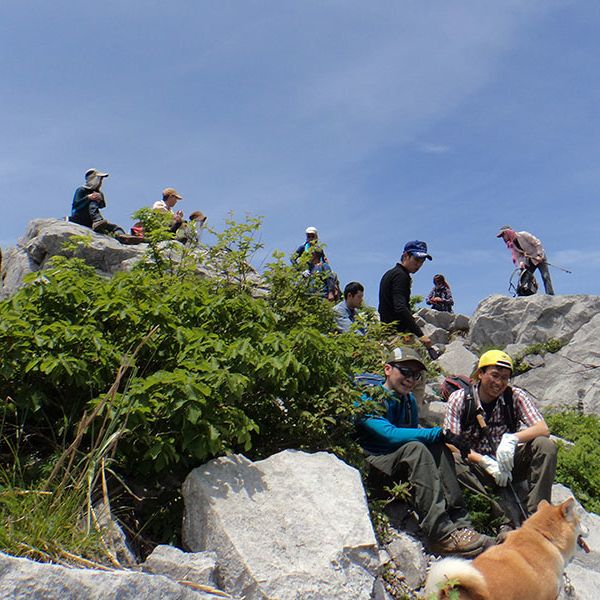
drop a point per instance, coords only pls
(505, 454)
(491, 466)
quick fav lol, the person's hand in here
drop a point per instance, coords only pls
(505, 454)
(436, 299)
(433, 353)
(492, 468)
(426, 341)
(94, 196)
(459, 442)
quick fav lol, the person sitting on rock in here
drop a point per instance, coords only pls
(399, 451)
(87, 202)
(190, 230)
(170, 197)
(440, 297)
(508, 436)
(322, 279)
(345, 311)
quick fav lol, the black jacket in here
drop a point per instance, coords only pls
(394, 300)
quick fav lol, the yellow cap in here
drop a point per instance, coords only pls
(495, 358)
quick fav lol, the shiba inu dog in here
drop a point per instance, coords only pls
(527, 566)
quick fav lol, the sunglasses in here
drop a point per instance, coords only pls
(408, 372)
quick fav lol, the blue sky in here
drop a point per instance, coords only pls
(375, 122)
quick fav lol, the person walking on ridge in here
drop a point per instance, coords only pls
(527, 253)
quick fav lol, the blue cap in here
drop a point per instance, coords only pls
(417, 248)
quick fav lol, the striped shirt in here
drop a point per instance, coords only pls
(526, 413)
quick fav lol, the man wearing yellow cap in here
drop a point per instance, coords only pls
(508, 436)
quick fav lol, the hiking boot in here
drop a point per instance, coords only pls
(462, 542)
(503, 532)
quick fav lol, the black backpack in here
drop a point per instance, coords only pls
(470, 411)
(527, 285)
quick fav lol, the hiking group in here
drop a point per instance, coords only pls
(89, 199)
(494, 441)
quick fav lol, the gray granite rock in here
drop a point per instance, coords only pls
(294, 525)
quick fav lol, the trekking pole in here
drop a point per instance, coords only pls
(557, 267)
(550, 264)
(484, 428)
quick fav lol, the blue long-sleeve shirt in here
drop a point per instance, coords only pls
(400, 424)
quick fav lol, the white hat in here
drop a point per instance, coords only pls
(311, 230)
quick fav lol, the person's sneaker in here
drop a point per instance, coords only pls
(462, 542)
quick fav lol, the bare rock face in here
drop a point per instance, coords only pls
(514, 323)
(45, 238)
(23, 578)
(571, 377)
(197, 567)
(294, 525)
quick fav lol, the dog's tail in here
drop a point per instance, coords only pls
(455, 574)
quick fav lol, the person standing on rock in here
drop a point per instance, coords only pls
(394, 292)
(87, 202)
(508, 436)
(399, 451)
(527, 253)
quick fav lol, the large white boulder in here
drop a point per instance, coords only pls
(45, 238)
(570, 377)
(292, 526)
(514, 323)
(456, 359)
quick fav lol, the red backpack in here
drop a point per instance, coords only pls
(452, 383)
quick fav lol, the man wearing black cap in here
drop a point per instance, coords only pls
(399, 451)
(87, 202)
(394, 292)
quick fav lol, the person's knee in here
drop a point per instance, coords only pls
(544, 445)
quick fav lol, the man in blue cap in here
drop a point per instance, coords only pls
(394, 292)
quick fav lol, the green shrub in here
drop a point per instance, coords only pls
(579, 464)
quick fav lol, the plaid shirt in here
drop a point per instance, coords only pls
(525, 412)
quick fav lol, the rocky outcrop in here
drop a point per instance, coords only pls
(295, 525)
(514, 323)
(570, 378)
(22, 578)
(45, 238)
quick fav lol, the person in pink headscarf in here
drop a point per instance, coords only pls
(527, 253)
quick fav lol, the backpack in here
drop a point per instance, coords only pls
(468, 417)
(453, 383)
(527, 285)
(368, 379)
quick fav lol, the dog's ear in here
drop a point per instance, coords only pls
(567, 508)
(542, 503)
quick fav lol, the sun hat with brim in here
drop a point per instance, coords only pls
(94, 173)
(404, 355)
(417, 248)
(503, 229)
(167, 192)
